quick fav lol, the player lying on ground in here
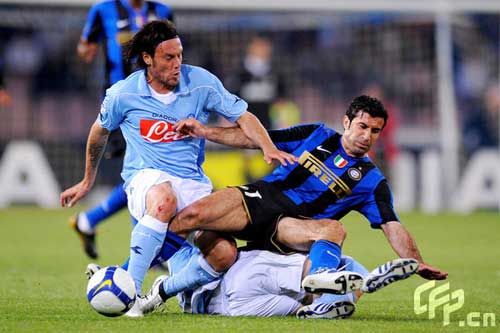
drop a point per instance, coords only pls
(297, 208)
(262, 283)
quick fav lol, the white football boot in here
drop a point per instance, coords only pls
(391, 271)
(91, 270)
(149, 302)
(333, 282)
(337, 310)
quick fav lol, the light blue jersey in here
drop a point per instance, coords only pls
(146, 123)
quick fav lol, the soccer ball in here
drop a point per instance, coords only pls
(111, 291)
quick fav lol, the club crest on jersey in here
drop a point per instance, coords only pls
(339, 161)
(354, 174)
(156, 131)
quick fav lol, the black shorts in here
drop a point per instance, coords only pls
(265, 206)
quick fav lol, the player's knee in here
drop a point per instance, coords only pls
(161, 202)
(333, 231)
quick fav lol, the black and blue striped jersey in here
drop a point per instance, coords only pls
(114, 22)
(328, 183)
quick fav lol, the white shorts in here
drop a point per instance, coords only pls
(186, 190)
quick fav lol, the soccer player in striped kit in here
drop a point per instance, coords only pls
(297, 208)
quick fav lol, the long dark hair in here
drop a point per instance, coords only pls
(148, 38)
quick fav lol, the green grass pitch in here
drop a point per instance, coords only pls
(42, 286)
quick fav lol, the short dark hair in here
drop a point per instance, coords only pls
(148, 38)
(367, 104)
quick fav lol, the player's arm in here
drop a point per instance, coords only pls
(248, 134)
(379, 209)
(253, 129)
(96, 144)
(405, 246)
(86, 50)
(92, 33)
(230, 136)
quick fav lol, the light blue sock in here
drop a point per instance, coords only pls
(197, 272)
(145, 244)
(331, 298)
(171, 245)
(324, 255)
(348, 264)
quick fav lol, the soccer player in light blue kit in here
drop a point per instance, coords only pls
(163, 167)
(111, 23)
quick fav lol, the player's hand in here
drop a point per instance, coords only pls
(71, 196)
(431, 273)
(191, 127)
(87, 51)
(280, 156)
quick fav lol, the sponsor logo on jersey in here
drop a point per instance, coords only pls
(320, 148)
(156, 131)
(324, 174)
(339, 161)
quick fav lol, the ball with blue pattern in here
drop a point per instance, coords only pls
(111, 291)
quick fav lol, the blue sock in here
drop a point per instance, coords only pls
(324, 255)
(115, 201)
(196, 272)
(349, 264)
(145, 244)
(170, 246)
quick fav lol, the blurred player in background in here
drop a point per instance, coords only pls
(162, 166)
(261, 85)
(112, 23)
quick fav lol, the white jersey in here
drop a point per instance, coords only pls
(260, 283)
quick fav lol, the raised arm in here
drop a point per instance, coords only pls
(405, 246)
(96, 143)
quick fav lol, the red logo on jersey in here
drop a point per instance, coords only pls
(159, 131)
